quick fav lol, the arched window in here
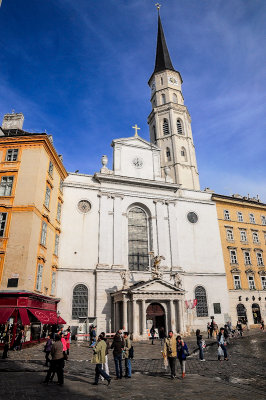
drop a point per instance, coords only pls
(174, 98)
(179, 127)
(241, 312)
(183, 153)
(138, 240)
(168, 154)
(201, 307)
(80, 302)
(163, 99)
(165, 127)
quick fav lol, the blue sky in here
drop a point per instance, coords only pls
(79, 70)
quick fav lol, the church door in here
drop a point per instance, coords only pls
(155, 316)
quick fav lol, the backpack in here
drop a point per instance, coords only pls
(131, 352)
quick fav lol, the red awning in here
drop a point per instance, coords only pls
(24, 316)
(45, 316)
(5, 314)
(61, 321)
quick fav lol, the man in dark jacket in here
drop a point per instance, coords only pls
(57, 362)
(118, 346)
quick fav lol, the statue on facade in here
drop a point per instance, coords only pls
(177, 280)
(156, 268)
(125, 277)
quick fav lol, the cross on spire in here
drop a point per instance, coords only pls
(158, 6)
(136, 129)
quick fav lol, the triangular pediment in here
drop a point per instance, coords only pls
(135, 141)
(155, 286)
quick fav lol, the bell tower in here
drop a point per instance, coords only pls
(169, 121)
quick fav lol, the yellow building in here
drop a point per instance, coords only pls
(242, 222)
(31, 197)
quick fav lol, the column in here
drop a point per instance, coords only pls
(125, 313)
(172, 316)
(181, 322)
(117, 316)
(143, 309)
(134, 311)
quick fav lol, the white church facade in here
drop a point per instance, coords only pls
(115, 223)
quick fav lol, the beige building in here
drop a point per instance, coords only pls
(31, 197)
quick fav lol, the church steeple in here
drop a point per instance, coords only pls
(163, 60)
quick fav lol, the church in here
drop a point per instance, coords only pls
(140, 243)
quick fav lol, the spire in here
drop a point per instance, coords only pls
(163, 60)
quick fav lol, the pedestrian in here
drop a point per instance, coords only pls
(239, 327)
(127, 347)
(18, 341)
(67, 338)
(118, 346)
(262, 325)
(105, 366)
(6, 341)
(221, 345)
(161, 335)
(215, 329)
(47, 350)
(57, 362)
(209, 329)
(99, 353)
(63, 340)
(226, 333)
(93, 336)
(200, 344)
(182, 353)
(152, 332)
(170, 352)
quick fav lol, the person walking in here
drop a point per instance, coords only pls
(152, 332)
(99, 354)
(215, 329)
(127, 347)
(105, 366)
(67, 338)
(117, 346)
(161, 335)
(170, 352)
(182, 353)
(209, 329)
(200, 344)
(57, 362)
(239, 327)
(47, 350)
(63, 340)
(6, 340)
(262, 325)
(221, 345)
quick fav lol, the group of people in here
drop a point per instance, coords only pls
(175, 348)
(7, 340)
(222, 341)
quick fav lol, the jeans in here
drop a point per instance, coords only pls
(201, 356)
(118, 366)
(99, 371)
(182, 365)
(128, 366)
(58, 367)
(224, 350)
(47, 359)
(172, 362)
(152, 338)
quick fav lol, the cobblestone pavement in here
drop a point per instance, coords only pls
(243, 376)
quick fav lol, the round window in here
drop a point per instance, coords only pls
(192, 217)
(84, 206)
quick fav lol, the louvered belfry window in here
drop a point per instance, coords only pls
(201, 307)
(80, 302)
(138, 242)
(165, 127)
(179, 127)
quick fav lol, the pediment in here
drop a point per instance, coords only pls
(155, 286)
(135, 141)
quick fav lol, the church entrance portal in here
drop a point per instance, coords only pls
(155, 316)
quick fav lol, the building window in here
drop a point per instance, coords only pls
(226, 215)
(6, 185)
(165, 127)
(163, 99)
(237, 282)
(247, 258)
(44, 233)
(47, 197)
(233, 257)
(229, 234)
(217, 308)
(138, 240)
(252, 218)
(12, 282)
(174, 98)
(259, 258)
(179, 127)
(56, 244)
(58, 214)
(51, 168)
(80, 302)
(12, 155)
(3, 219)
(240, 216)
(61, 185)
(39, 277)
(263, 220)
(251, 283)
(168, 154)
(184, 153)
(161, 81)
(53, 283)
(201, 307)
(255, 237)
(243, 236)
(263, 282)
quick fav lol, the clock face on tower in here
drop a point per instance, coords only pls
(137, 162)
(172, 80)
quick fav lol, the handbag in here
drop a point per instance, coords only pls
(220, 351)
(203, 344)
